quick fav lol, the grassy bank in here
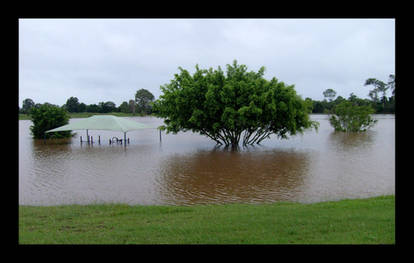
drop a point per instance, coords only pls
(361, 221)
(86, 115)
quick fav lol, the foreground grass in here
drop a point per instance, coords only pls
(363, 221)
(85, 115)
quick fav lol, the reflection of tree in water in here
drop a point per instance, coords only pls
(225, 177)
(49, 148)
(352, 140)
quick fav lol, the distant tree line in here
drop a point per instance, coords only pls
(378, 101)
(141, 104)
(144, 101)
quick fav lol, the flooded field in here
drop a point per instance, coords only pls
(187, 168)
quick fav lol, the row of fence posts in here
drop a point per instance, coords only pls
(89, 139)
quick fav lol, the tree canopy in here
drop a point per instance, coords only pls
(28, 104)
(383, 105)
(72, 104)
(391, 83)
(143, 100)
(47, 117)
(330, 94)
(349, 117)
(232, 106)
(124, 107)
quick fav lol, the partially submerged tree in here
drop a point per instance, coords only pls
(232, 106)
(47, 117)
(350, 117)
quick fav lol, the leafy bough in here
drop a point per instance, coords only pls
(233, 106)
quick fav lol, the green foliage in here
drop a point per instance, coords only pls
(132, 106)
(330, 94)
(380, 86)
(144, 99)
(105, 107)
(380, 105)
(72, 104)
(391, 83)
(124, 107)
(93, 108)
(47, 117)
(348, 117)
(388, 106)
(28, 104)
(82, 107)
(232, 106)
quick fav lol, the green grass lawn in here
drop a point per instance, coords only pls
(360, 221)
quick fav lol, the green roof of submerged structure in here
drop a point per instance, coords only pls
(102, 122)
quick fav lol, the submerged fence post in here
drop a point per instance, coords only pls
(160, 134)
(87, 135)
(99, 139)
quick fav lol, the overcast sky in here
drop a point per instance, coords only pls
(110, 59)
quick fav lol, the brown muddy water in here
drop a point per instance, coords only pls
(187, 168)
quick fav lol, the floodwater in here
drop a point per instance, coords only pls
(187, 168)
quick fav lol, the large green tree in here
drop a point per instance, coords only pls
(232, 106)
(144, 99)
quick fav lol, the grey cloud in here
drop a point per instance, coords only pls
(109, 59)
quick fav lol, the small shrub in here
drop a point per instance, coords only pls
(348, 117)
(47, 117)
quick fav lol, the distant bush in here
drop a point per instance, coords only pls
(348, 117)
(47, 117)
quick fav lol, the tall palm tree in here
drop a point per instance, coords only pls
(391, 83)
(379, 87)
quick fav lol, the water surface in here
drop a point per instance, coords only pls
(187, 168)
